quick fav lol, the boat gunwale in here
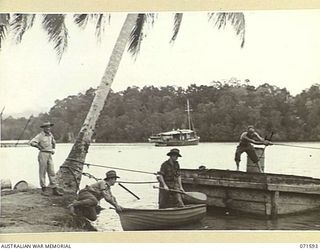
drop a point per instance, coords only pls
(173, 209)
(207, 171)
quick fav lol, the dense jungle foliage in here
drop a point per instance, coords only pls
(220, 112)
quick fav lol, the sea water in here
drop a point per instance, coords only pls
(20, 163)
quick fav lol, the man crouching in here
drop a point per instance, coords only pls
(89, 197)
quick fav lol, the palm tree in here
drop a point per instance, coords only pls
(130, 35)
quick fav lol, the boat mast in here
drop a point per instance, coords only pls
(1, 124)
(188, 112)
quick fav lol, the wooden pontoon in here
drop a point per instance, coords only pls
(160, 219)
(260, 194)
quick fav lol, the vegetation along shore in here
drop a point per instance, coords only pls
(220, 112)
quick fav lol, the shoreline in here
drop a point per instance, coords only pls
(31, 212)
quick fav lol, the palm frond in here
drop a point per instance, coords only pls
(150, 18)
(137, 35)
(55, 26)
(81, 20)
(238, 22)
(236, 19)
(100, 21)
(20, 24)
(4, 22)
(177, 24)
(100, 25)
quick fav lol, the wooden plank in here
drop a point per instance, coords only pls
(234, 193)
(250, 195)
(305, 189)
(292, 198)
(274, 204)
(250, 208)
(295, 208)
(224, 183)
(308, 189)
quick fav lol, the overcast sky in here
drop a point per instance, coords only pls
(281, 48)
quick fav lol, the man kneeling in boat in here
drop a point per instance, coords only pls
(246, 138)
(169, 178)
(89, 197)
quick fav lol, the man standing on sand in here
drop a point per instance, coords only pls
(89, 197)
(46, 144)
(246, 138)
(170, 179)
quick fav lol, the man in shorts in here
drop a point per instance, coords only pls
(246, 138)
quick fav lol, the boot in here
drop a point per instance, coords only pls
(56, 191)
(44, 191)
(71, 209)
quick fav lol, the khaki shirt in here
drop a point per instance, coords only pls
(102, 190)
(46, 142)
(169, 172)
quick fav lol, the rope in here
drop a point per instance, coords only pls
(104, 166)
(262, 153)
(126, 182)
(98, 179)
(138, 182)
(294, 146)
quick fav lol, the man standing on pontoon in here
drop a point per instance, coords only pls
(246, 138)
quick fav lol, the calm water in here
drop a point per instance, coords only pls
(21, 164)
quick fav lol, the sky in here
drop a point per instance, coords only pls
(281, 48)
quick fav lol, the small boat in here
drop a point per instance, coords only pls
(160, 219)
(261, 194)
(178, 137)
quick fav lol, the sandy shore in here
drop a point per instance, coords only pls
(31, 212)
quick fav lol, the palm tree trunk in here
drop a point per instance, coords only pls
(69, 174)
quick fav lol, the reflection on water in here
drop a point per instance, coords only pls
(21, 164)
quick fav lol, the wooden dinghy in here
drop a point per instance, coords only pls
(160, 219)
(261, 194)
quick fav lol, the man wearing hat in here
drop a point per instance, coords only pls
(89, 197)
(46, 144)
(169, 178)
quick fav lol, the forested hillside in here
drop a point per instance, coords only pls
(221, 112)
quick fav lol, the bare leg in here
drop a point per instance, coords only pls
(258, 165)
(237, 165)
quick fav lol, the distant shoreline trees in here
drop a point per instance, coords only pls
(220, 113)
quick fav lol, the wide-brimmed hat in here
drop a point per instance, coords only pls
(46, 124)
(250, 126)
(111, 174)
(174, 151)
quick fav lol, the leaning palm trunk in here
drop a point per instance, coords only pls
(69, 174)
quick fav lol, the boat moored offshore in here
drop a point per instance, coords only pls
(177, 137)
